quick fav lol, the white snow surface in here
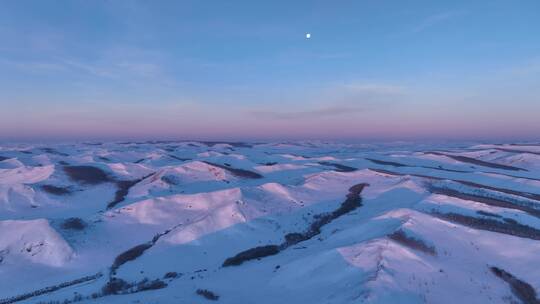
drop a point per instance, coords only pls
(427, 228)
(34, 241)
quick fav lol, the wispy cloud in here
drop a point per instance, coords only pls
(34, 67)
(105, 69)
(116, 70)
(436, 19)
(340, 100)
(530, 67)
(315, 113)
(374, 88)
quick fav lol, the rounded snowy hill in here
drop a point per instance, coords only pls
(291, 222)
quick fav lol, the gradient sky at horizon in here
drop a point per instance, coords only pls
(243, 70)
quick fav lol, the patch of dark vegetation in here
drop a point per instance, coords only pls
(123, 190)
(53, 151)
(56, 190)
(517, 151)
(170, 148)
(402, 238)
(207, 294)
(484, 213)
(251, 254)
(103, 158)
(117, 286)
(240, 145)
(114, 286)
(396, 164)
(521, 289)
(171, 275)
(135, 252)
(150, 285)
(440, 168)
(159, 142)
(386, 163)
(73, 223)
(474, 161)
(487, 200)
(303, 156)
(388, 172)
(93, 144)
(338, 167)
(178, 158)
(130, 255)
(63, 163)
(526, 144)
(2, 158)
(270, 163)
(511, 227)
(528, 195)
(25, 151)
(510, 221)
(139, 161)
(87, 175)
(49, 289)
(170, 179)
(236, 171)
(353, 200)
(513, 176)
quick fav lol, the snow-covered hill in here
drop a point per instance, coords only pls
(308, 222)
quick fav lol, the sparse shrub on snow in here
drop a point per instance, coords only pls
(523, 290)
(56, 190)
(402, 238)
(207, 294)
(352, 201)
(150, 285)
(115, 286)
(130, 255)
(250, 254)
(74, 223)
(87, 175)
(171, 275)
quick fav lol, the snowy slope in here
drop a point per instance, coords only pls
(294, 222)
(34, 241)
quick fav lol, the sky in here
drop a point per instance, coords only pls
(244, 70)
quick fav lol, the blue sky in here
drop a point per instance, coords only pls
(244, 69)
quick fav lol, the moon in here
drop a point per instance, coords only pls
(308, 35)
